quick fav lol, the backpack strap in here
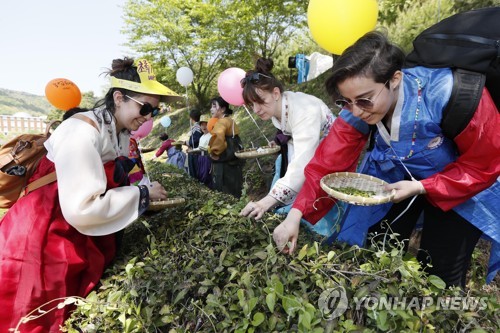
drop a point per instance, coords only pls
(87, 120)
(6, 159)
(465, 96)
(52, 177)
(42, 181)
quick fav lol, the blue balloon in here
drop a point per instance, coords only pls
(165, 121)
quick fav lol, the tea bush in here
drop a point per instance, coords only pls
(203, 268)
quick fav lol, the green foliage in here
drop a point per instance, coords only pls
(203, 268)
(416, 17)
(174, 33)
(405, 19)
(12, 102)
(88, 101)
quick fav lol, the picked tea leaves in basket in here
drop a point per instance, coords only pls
(257, 152)
(168, 203)
(356, 188)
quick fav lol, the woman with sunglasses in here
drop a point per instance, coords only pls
(301, 121)
(454, 184)
(225, 141)
(57, 240)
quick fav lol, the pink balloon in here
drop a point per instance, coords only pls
(144, 130)
(229, 85)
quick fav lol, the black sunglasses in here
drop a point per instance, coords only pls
(146, 108)
(253, 78)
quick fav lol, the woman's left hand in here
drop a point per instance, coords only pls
(405, 189)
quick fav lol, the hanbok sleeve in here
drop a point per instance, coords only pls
(75, 148)
(478, 165)
(164, 146)
(218, 141)
(306, 128)
(339, 151)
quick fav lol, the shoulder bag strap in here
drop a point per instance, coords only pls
(52, 177)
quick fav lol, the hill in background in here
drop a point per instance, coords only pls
(12, 102)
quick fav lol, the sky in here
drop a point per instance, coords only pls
(41, 40)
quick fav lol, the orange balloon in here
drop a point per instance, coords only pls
(211, 124)
(63, 94)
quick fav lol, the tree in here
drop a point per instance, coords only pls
(406, 19)
(88, 101)
(208, 36)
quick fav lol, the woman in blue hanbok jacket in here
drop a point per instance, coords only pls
(454, 183)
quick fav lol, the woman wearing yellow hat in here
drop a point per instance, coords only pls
(57, 240)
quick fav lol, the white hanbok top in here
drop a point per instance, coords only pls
(204, 141)
(307, 119)
(79, 152)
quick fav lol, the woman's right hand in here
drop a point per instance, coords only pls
(157, 192)
(286, 234)
(257, 209)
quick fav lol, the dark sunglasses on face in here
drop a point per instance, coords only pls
(362, 103)
(146, 108)
(253, 78)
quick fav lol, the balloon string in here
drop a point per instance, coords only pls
(268, 142)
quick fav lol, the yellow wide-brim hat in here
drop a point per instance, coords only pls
(148, 84)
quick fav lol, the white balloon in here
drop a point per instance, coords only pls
(165, 121)
(184, 76)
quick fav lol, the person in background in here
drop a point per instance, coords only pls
(453, 182)
(57, 240)
(175, 155)
(211, 123)
(225, 141)
(138, 172)
(301, 121)
(192, 142)
(204, 162)
(69, 113)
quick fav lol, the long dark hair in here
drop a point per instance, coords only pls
(371, 56)
(259, 78)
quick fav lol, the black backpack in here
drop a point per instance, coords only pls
(469, 43)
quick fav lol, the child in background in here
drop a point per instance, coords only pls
(175, 154)
(193, 141)
(138, 171)
(204, 163)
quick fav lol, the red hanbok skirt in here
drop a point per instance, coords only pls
(42, 258)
